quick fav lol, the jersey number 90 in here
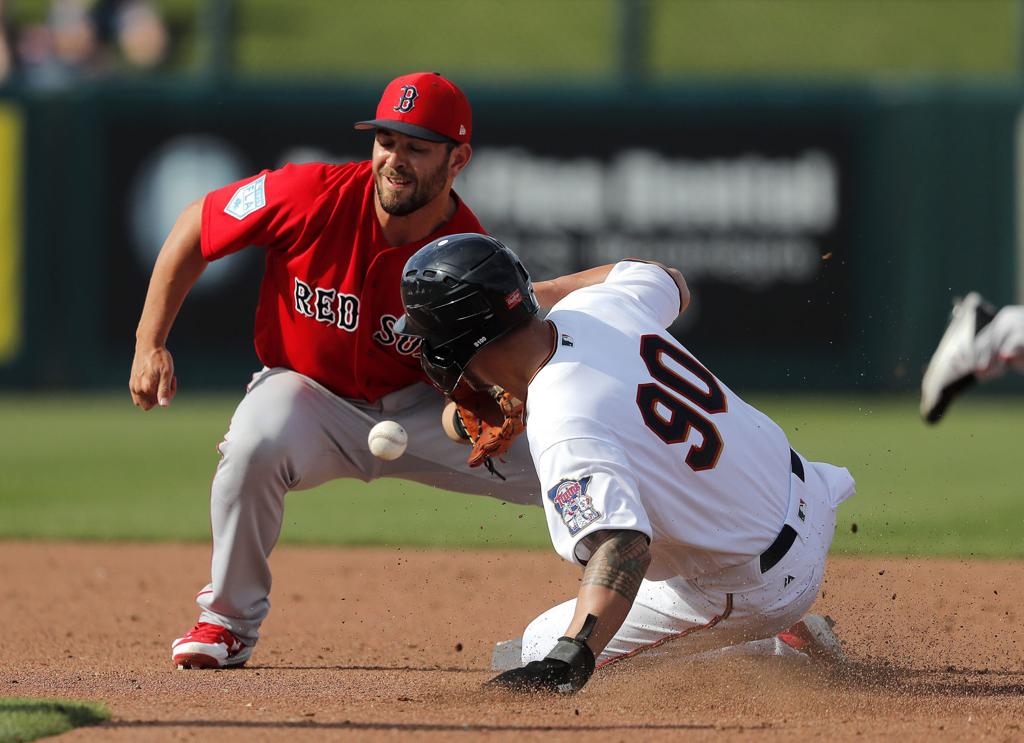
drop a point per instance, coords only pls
(675, 428)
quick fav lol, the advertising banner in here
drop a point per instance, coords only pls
(753, 208)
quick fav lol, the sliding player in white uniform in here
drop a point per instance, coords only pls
(691, 515)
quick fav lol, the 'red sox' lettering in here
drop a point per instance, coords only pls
(327, 305)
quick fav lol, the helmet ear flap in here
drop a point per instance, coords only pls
(444, 378)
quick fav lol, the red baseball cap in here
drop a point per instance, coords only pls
(424, 105)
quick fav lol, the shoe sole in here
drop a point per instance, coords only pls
(824, 644)
(947, 395)
(971, 309)
(195, 661)
(197, 656)
(813, 637)
(202, 662)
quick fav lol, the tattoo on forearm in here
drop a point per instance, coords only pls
(620, 563)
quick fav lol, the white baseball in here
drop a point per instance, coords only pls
(388, 440)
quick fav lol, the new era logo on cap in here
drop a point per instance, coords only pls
(424, 105)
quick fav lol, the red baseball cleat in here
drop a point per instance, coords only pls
(209, 646)
(813, 636)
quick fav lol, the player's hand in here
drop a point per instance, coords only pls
(451, 423)
(565, 670)
(152, 381)
(492, 420)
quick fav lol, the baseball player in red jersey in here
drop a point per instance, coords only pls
(336, 238)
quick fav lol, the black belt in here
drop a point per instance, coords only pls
(778, 549)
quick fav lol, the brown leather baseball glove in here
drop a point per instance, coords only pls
(491, 421)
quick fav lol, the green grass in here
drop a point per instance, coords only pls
(482, 39)
(952, 489)
(28, 719)
(96, 468)
(491, 41)
(835, 38)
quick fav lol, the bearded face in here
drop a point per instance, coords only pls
(408, 173)
(402, 191)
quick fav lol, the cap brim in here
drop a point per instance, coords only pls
(403, 127)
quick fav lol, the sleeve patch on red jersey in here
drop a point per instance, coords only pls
(247, 199)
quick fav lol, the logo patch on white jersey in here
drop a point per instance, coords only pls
(574, 505)
(247, 199)
(567, 340)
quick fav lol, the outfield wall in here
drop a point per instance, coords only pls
(823, 230)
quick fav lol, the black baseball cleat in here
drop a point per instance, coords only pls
(951, 369)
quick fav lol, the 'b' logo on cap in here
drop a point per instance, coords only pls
(407, 100)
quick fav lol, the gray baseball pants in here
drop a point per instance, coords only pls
(291, 433)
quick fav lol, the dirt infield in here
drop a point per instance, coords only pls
(386, 643)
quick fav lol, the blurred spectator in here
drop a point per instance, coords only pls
(6, 56)
(74, 38)
(89, 40)
(135, 29)
(61, 51)
(142, 36)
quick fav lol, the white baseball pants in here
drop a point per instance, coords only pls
(762, 605)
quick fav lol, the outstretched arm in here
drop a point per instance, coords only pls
(549, 293)
(610, 583)
(684, 290)
(177, 269)
(611, 580)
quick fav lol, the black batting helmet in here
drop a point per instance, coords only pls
(460, 293)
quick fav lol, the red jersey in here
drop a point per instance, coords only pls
(330, 294)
